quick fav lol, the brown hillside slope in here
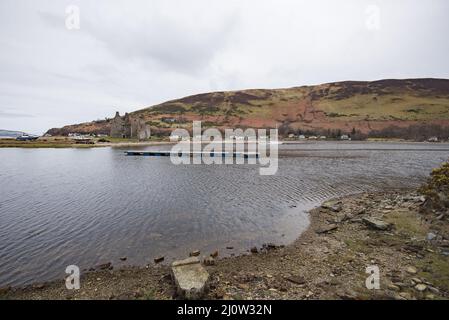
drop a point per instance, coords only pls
(360, 105)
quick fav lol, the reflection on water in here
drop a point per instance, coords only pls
(68, 206)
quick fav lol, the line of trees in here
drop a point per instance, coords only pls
(418, 132)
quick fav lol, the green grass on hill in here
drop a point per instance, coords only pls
(387, 107)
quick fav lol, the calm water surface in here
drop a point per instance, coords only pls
(72, 206)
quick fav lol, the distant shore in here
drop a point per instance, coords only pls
(66, 142)
(328, 261)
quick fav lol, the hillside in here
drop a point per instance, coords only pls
(10, 134)
(350, 106)
(94, 127)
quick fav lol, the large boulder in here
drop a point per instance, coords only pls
(190, 277)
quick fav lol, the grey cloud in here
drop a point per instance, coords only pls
(157, 42)
(52, 20)
(164, 43)
(4, 114)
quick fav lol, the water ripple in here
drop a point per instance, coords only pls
(84, 207)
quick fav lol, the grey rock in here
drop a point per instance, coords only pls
(190, 277)
(412, 270)
(104, 266)
(421, 287)
(158, 259)
(195, 253)
(401, 284)
(394, 287)
(326, 229)
(433, 289)
(416, 280)
(377, 224)
(39, 286)
(334, 206)
(406, 295)
(431, 236)
(347, 294)
(254, 250)
(269, 246)
(209, 261)
(296, 279)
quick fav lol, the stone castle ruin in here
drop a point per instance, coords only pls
(129, 127)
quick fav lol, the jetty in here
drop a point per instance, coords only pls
(159, 153)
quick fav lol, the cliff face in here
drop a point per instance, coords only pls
(345, 106)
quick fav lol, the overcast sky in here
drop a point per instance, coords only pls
(127, 55)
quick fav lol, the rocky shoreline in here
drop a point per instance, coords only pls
(390, 230)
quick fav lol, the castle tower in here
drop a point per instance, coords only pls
(117, 126)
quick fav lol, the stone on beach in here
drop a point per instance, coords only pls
(104, 266)
(332, 205)
(430, 236)
(376, 224)
(190, 277)
(421, 287)
(209, 261)
(412, 270)
(326, 228)
(195, 253)
(296, 279)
